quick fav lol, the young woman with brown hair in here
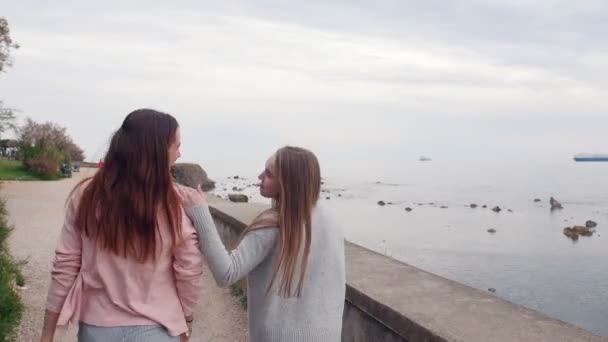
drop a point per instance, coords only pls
(292, 254)
(128, 265)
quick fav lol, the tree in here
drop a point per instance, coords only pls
(7, 119)
(50, 135)
(7, 143)
(6, 45)
(7, 115)
(75, 152)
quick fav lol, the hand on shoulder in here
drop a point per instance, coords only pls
(191, 197)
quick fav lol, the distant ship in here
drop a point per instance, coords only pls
(423, 158)
(587, 157)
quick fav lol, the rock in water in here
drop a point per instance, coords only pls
(408, 209)
(239, 198)
(555, 204)
(496, 209)
(537, 200)
(473, 205)
(590, 224)
(492, 231)
(192, 175)
(381, 203)
(577, 231)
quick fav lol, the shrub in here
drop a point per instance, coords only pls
(11, 307)
(43, 160)
(44, 165)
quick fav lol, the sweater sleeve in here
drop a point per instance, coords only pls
(188, 269)
(66, 264)
(228, 267)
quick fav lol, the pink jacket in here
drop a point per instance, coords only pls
(103, 289)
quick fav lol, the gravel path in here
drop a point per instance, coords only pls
(36, 209)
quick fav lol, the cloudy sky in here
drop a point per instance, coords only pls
(357, 81)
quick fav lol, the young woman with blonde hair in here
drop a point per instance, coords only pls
(292, 254)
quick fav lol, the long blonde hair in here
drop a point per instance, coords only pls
(299, 177)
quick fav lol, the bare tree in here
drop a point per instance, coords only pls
(7, 115)
(7, 119)
(6, 45)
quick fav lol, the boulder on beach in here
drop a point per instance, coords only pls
(590, 224)
(576, 231)
(192, 175)
(408, 209)
(381, 203)
(496, 209)
(239, 198)
(492, 231)
(537, 200)
(484, 206)
(555, 204)
(473, 205)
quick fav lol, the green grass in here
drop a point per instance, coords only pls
(236, 291)
(11, 307)
(15, 170)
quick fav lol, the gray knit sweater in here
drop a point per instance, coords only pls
(316, 315)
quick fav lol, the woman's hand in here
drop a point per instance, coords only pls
(191, 197)
(49, 326)
(184, 337)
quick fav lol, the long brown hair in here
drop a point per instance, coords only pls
(299, 178)
(121, 203)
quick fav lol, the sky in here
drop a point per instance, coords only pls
(364, 84)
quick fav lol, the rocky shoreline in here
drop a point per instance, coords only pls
(239, 189)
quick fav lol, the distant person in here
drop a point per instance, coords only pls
(66, 170)
(128, 267)
(292, 254)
